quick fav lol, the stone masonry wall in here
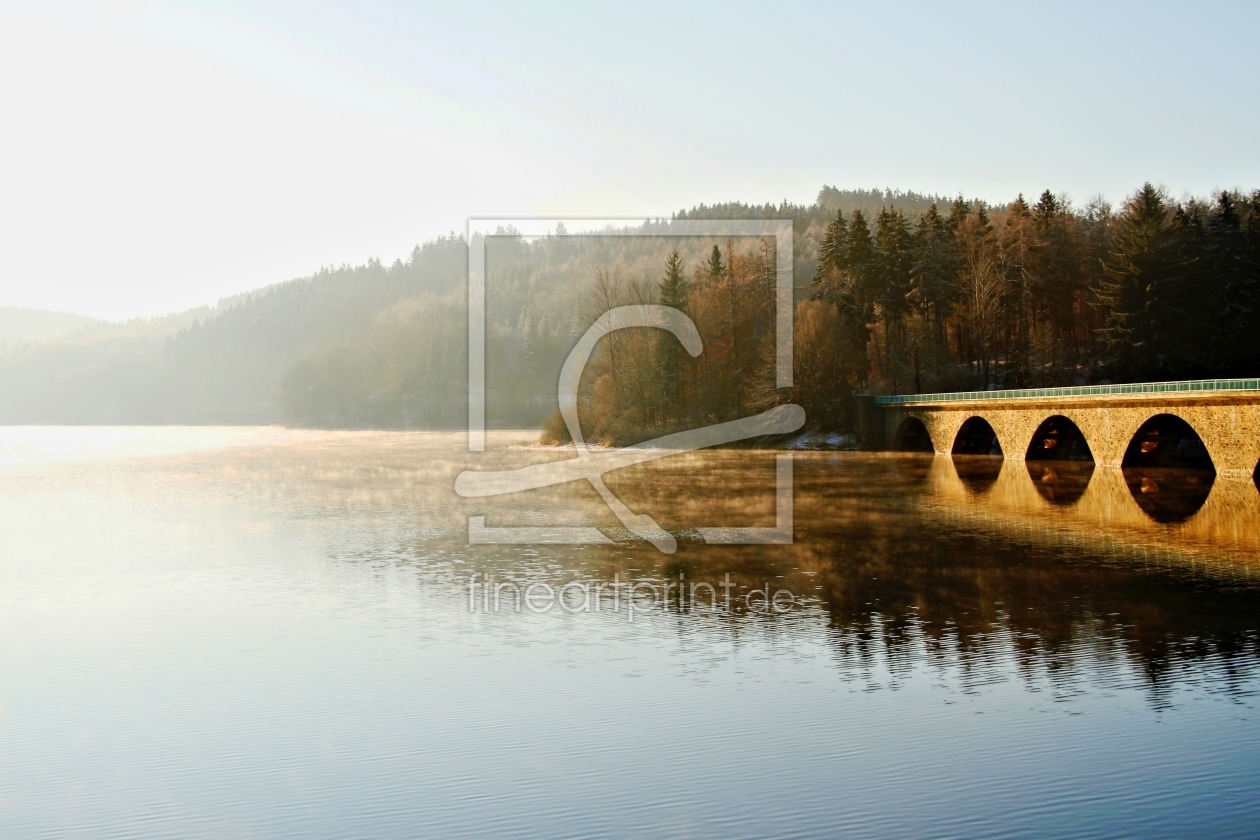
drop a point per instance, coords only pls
(1228, 425)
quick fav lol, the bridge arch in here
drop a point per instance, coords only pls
(1058, 438)
(976, 437)
(1166, 441)
(1059, 460)
(1168, 468)
(913, 436)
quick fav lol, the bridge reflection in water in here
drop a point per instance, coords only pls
(1214, 519)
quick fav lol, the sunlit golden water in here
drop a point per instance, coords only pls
(262, 632)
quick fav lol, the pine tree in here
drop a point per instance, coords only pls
(857, 300)
(736, 366)
(831, 255)
(958, 213)
(892, 264)
(934, 273)
(715, 268)
(1018, 242)
(1228, 284)
(1055, 262)
(1143, 292)
(673, 286)
(673, 292)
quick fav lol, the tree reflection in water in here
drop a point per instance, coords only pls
(974, 605)
(898, 563)
(899, 590)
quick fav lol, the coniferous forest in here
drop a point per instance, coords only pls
(896, 292)
(956, 296)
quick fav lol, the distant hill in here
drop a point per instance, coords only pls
(213, 365)
(871, 202)
(18, 323)
(830, 201)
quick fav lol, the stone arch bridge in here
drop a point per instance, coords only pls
(1225, 414)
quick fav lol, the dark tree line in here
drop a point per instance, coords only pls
(960, 297)
(1040, 295)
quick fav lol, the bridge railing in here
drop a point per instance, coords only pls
(1187, 386)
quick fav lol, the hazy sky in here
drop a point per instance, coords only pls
(160, 155)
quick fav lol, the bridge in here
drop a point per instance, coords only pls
(1211, 423)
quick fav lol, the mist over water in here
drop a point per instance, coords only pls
(267, 632)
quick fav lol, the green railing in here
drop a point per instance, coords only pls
(1190, 386)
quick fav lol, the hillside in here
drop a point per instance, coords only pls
(17, 324)
(896, 291)
(223, 367)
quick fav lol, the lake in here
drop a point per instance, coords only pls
(260, 632)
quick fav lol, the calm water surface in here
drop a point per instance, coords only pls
(267, 633)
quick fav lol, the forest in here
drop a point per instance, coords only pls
(896, 292)
(960, 297)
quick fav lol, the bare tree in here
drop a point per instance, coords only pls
(983, 287)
